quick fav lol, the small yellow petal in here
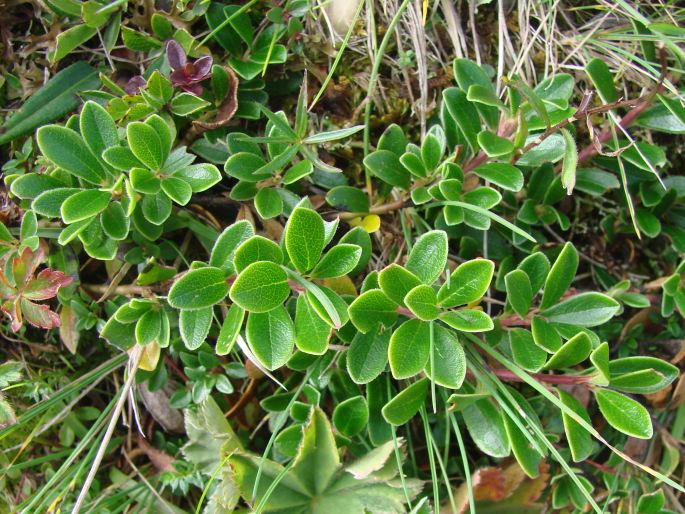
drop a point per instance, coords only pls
(150, 357)
(371, 223)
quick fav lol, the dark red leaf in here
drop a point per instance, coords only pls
(39, 315)
(176, 55)
(45, 285)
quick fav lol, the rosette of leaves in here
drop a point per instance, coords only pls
(558, 336)
(316, 481)
(290, 156)
(21, 288)
(259, 276)
(97, 186)
(430, 180)
(422, 318)
(251, 51)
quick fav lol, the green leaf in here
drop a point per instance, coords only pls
(304, 238)
(184, 104)
(647, 222)
(66, 149)
(271, 336)
(368, 355)
(633, 368)
(312, 333)
(494, 145)
(584, 310)
(536, 267)
(528, 457)
(177, 189)
(148, 327)
(579, 439)
(574, 351)
(406, 403)
(600, 360)
(332, 135)
(624, 414)
(484, 423)
(545, 335)
(652, 503)
(156, 208)
(432, 149)
(159, 86)
(386, 165)
(396, 282)
(230, 329)
(67, 41)
(347, 198)
(413, 162)
(351, 416)
(33, 185)
(570, 162)
(227, 242)
(393, 140)
(260, 287)
(464, 114)
(145, 144)
(469, 320)
(504, 175)
(121, 158)
(448, 367)
(256, 249)
(519, 291)
(360, 237)
(428, 256)
(549, 151)
(194, 326)
(409, 348)
(328, 304)
(603, 80)
(287, 490)
(198, 289)
(268, 203)
(467, 284)
(483, 95)
(560, 276)
(145, 181)
(49, 202)
(114, 221)
(338, 261)
(556, 90)
(97, 128)
(526, 353)
(138, 41)
(467, 73)
(52, 101)
(317, 460)
(423, 302)
(246, 166)
(371, 308)
(84, 205)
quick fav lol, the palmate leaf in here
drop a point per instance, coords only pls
(317, 483)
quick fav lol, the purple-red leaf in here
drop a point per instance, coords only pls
(24, 265)
(176, 55)
(135, 84)
(203, 66)
(11, 308)
(45, 285)
(39, 315)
